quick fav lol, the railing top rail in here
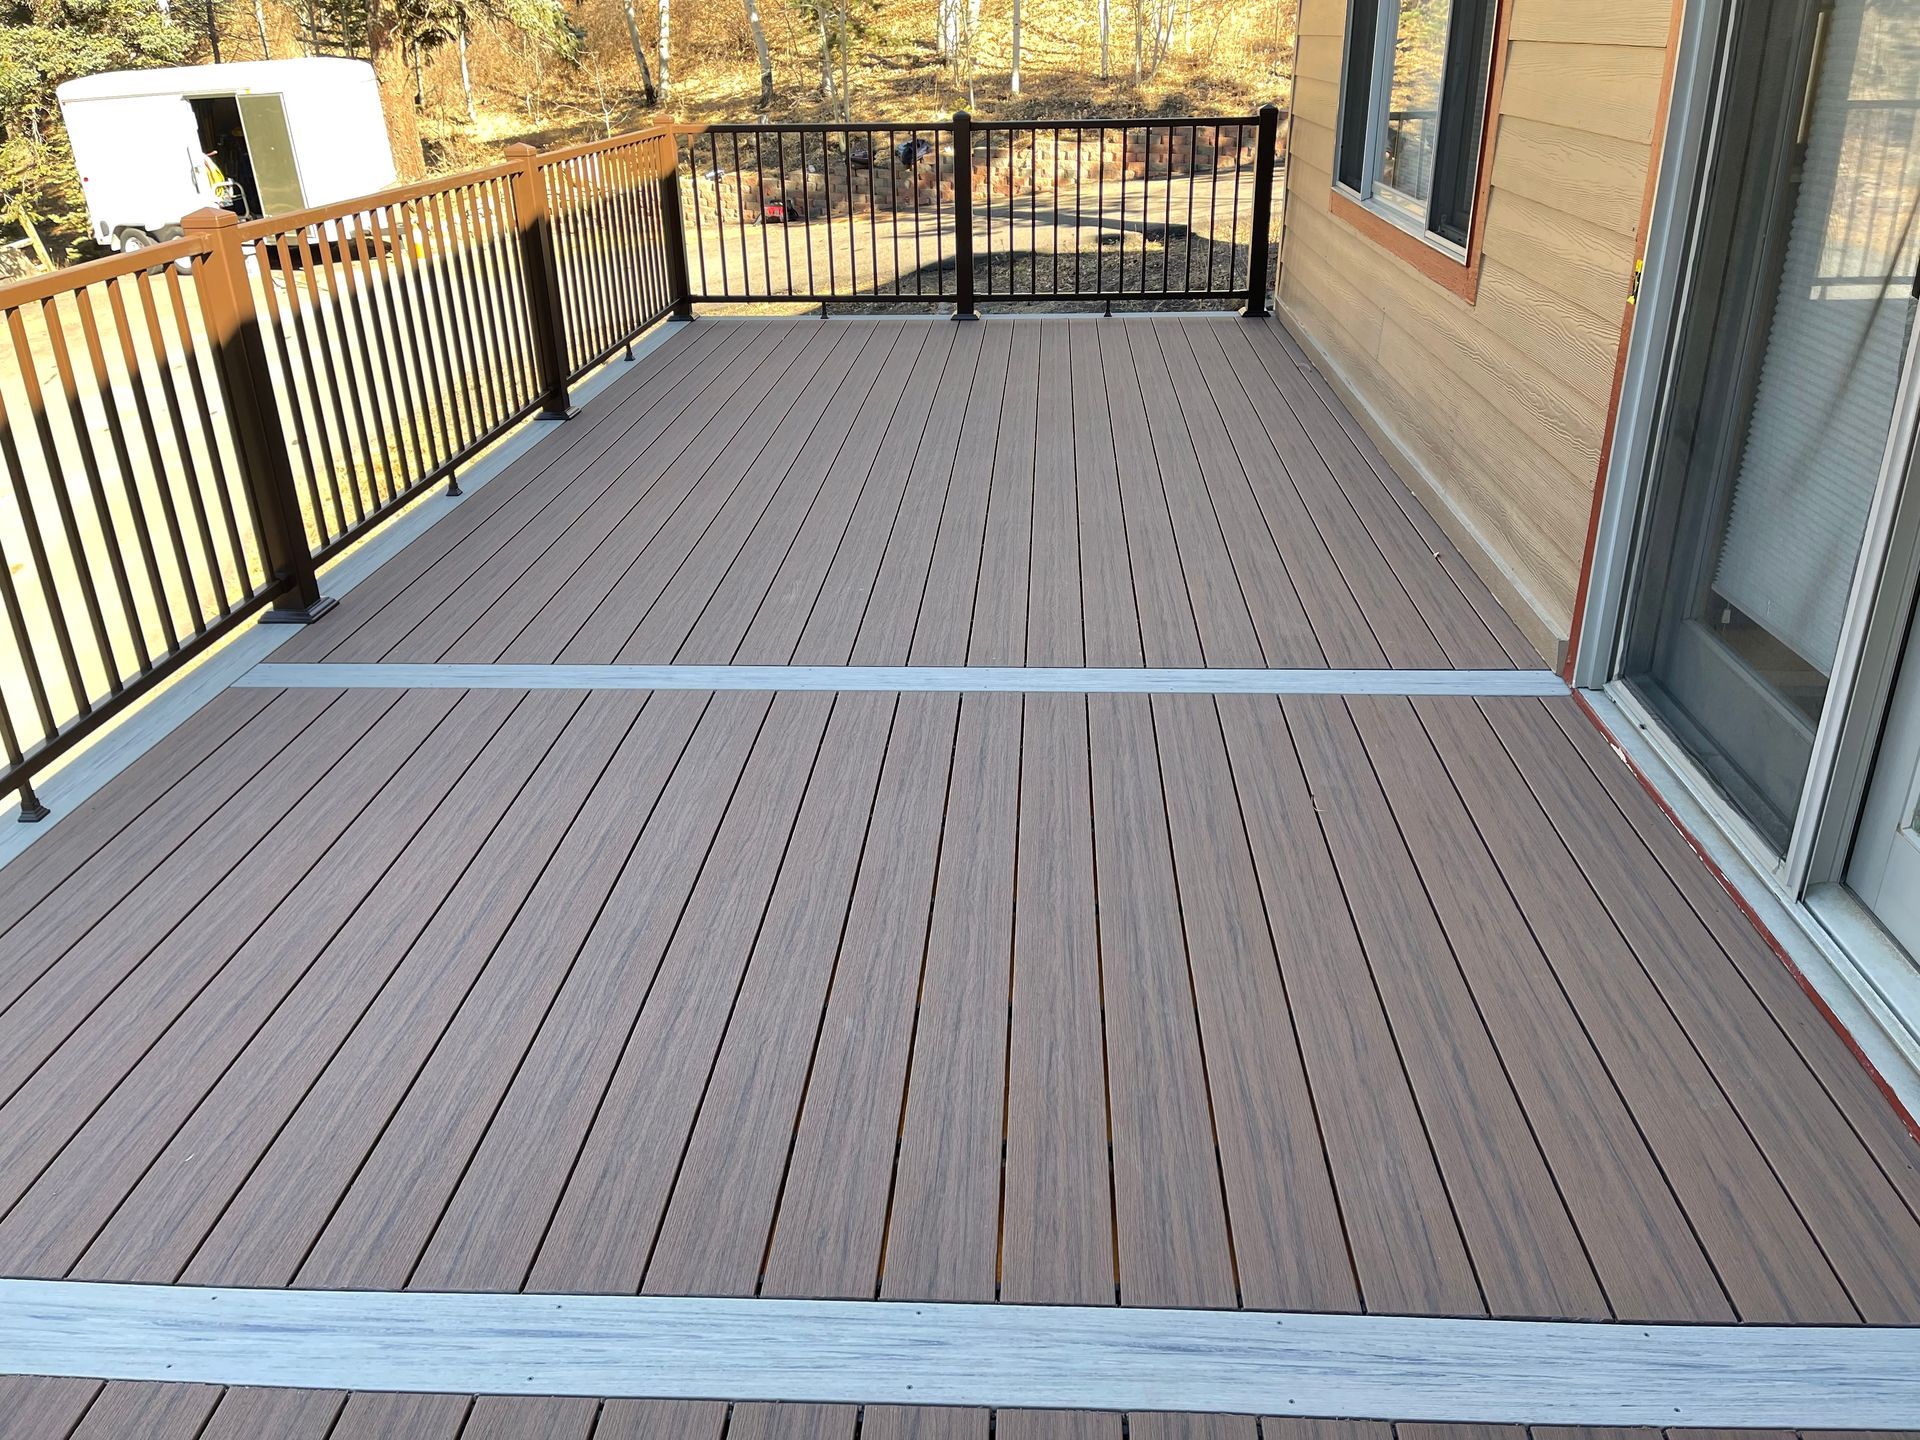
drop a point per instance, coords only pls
(1121, 122)
(92, 272)
(379, 199)
(611, 142)
(839, 127)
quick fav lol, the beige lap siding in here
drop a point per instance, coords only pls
(1495, 410)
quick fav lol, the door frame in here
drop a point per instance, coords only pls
(1882, 591)
(1856, 973)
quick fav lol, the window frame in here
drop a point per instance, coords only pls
(1371, 34)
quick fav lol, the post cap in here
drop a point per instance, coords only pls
(211, 218)
(1270, 108)
(520, 149)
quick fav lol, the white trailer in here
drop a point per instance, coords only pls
(262, 137)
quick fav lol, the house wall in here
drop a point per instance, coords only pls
(1491, 388)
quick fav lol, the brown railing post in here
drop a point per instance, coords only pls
(246, 385)
(1264, 155)
(963, 215)
(542, 271)
(678, 277)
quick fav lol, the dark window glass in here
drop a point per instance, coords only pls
(1456, 175)
(1362, 25)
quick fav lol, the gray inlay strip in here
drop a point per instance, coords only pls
(890, 1352)
(323, 676)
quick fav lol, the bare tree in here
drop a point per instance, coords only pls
(639, 54)
(827, 86)
(665, 30)
(260, 24)
(1013, 77)
(1106, 38)
(846, 61)
(765, 56)
(466, 76)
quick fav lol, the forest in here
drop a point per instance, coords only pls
(461, 79)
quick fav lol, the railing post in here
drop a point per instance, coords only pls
(246, 384)
(540, 266)
(1263, 157)
(679, 280)
(962, 215)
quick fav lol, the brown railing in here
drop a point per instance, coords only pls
(1139, 212)
(187, 432)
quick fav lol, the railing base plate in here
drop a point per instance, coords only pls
(274, 615)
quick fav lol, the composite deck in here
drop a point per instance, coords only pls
(1414, 1006)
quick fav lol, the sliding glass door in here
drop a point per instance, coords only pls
(1780, 388)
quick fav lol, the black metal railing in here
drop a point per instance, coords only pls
(187, 433)
(1133, 212)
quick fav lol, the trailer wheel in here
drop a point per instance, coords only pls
(133, 240)
(173, 232)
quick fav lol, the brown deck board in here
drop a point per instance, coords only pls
(732, 1161)
(1844, 1078)
(849, 526)
(99, 819)
(943, 1229)
(576, 591)
(1339, 626)
(264, 1141)
(1170, 1212)
(1769, 1261)
(1169, 634)
(399, 1197)
(1318, 829)
(674, 572)
(1643, 1249)
(1256, 1016)
(237, 984)
(805, 518)
(831, 1224)
(439, 559)
(1228, 634)
(1459, 629)
(1802, 1132)
(1274, 602)
(1363, 1003)
(283, 812)
(1496, 619)
(1057, 1235)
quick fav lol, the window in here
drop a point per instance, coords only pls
(1412, 108)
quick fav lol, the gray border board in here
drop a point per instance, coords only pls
(1025, 1356)
(894, 678)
